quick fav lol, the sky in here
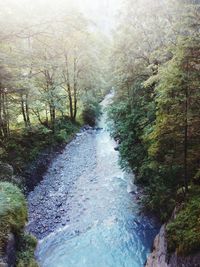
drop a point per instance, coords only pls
(101, 12)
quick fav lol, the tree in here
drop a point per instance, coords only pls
(156, 75)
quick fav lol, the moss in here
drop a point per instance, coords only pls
(183, 233)
(13, 216)
(25, 255)
(13, 211)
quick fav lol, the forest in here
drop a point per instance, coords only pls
(56, 66)
(44, 86)
(156, 70)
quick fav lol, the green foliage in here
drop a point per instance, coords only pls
(155, 113)
(64, 130)
(26, 248)
(50, 76)
(159, 199)
(183, 233)
(131, 122)
(13, 211)
(61, 136)
(196, 178)
(91, 111)
(167, 140)
(23, 147)
(131, 148)
(13, 217)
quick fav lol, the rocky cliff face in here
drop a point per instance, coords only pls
(160, 258)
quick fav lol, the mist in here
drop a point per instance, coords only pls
(101, 13)
(99, 123)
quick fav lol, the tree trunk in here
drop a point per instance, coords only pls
(7, 115)
(52, 116)
(75, 89)
(23, 108)
(46, 114)
(1, 119)
(27, 111)
(186, 135)
(67, 81)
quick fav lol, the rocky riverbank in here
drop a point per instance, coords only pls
(49, 200)
(160, 256)
(33, 174)
(30, 179)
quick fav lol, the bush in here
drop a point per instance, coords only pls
(183, 233)
(65, 129)
(25, 255)
(23, 147)
(159, 199)
(13, 211)
(13, 217)
(91, 111)
(61, 136)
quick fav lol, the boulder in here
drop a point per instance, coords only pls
(116, 148)
(87, 127)
(160, 257)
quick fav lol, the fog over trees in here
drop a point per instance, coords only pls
(51, 58)
(58, 60)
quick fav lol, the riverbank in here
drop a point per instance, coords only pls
(29, 153)
(48, 203)
(30, 150)
(177, 243)
(160, 255)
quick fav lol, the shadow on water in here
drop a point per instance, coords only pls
(108, 230)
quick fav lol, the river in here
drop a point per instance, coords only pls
(84, 212)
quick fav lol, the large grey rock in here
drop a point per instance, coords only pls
(6, 172)
(160, 258)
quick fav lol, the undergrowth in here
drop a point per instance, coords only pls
(24, 146)
(183, 233)
(26, 247)
(13, 212)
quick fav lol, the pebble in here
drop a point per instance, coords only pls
(51, 200)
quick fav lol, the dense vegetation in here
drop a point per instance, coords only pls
(24, 145)
(155, 65)
(50, 70)
(183, 232)
(13, 214)
(51, 82)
